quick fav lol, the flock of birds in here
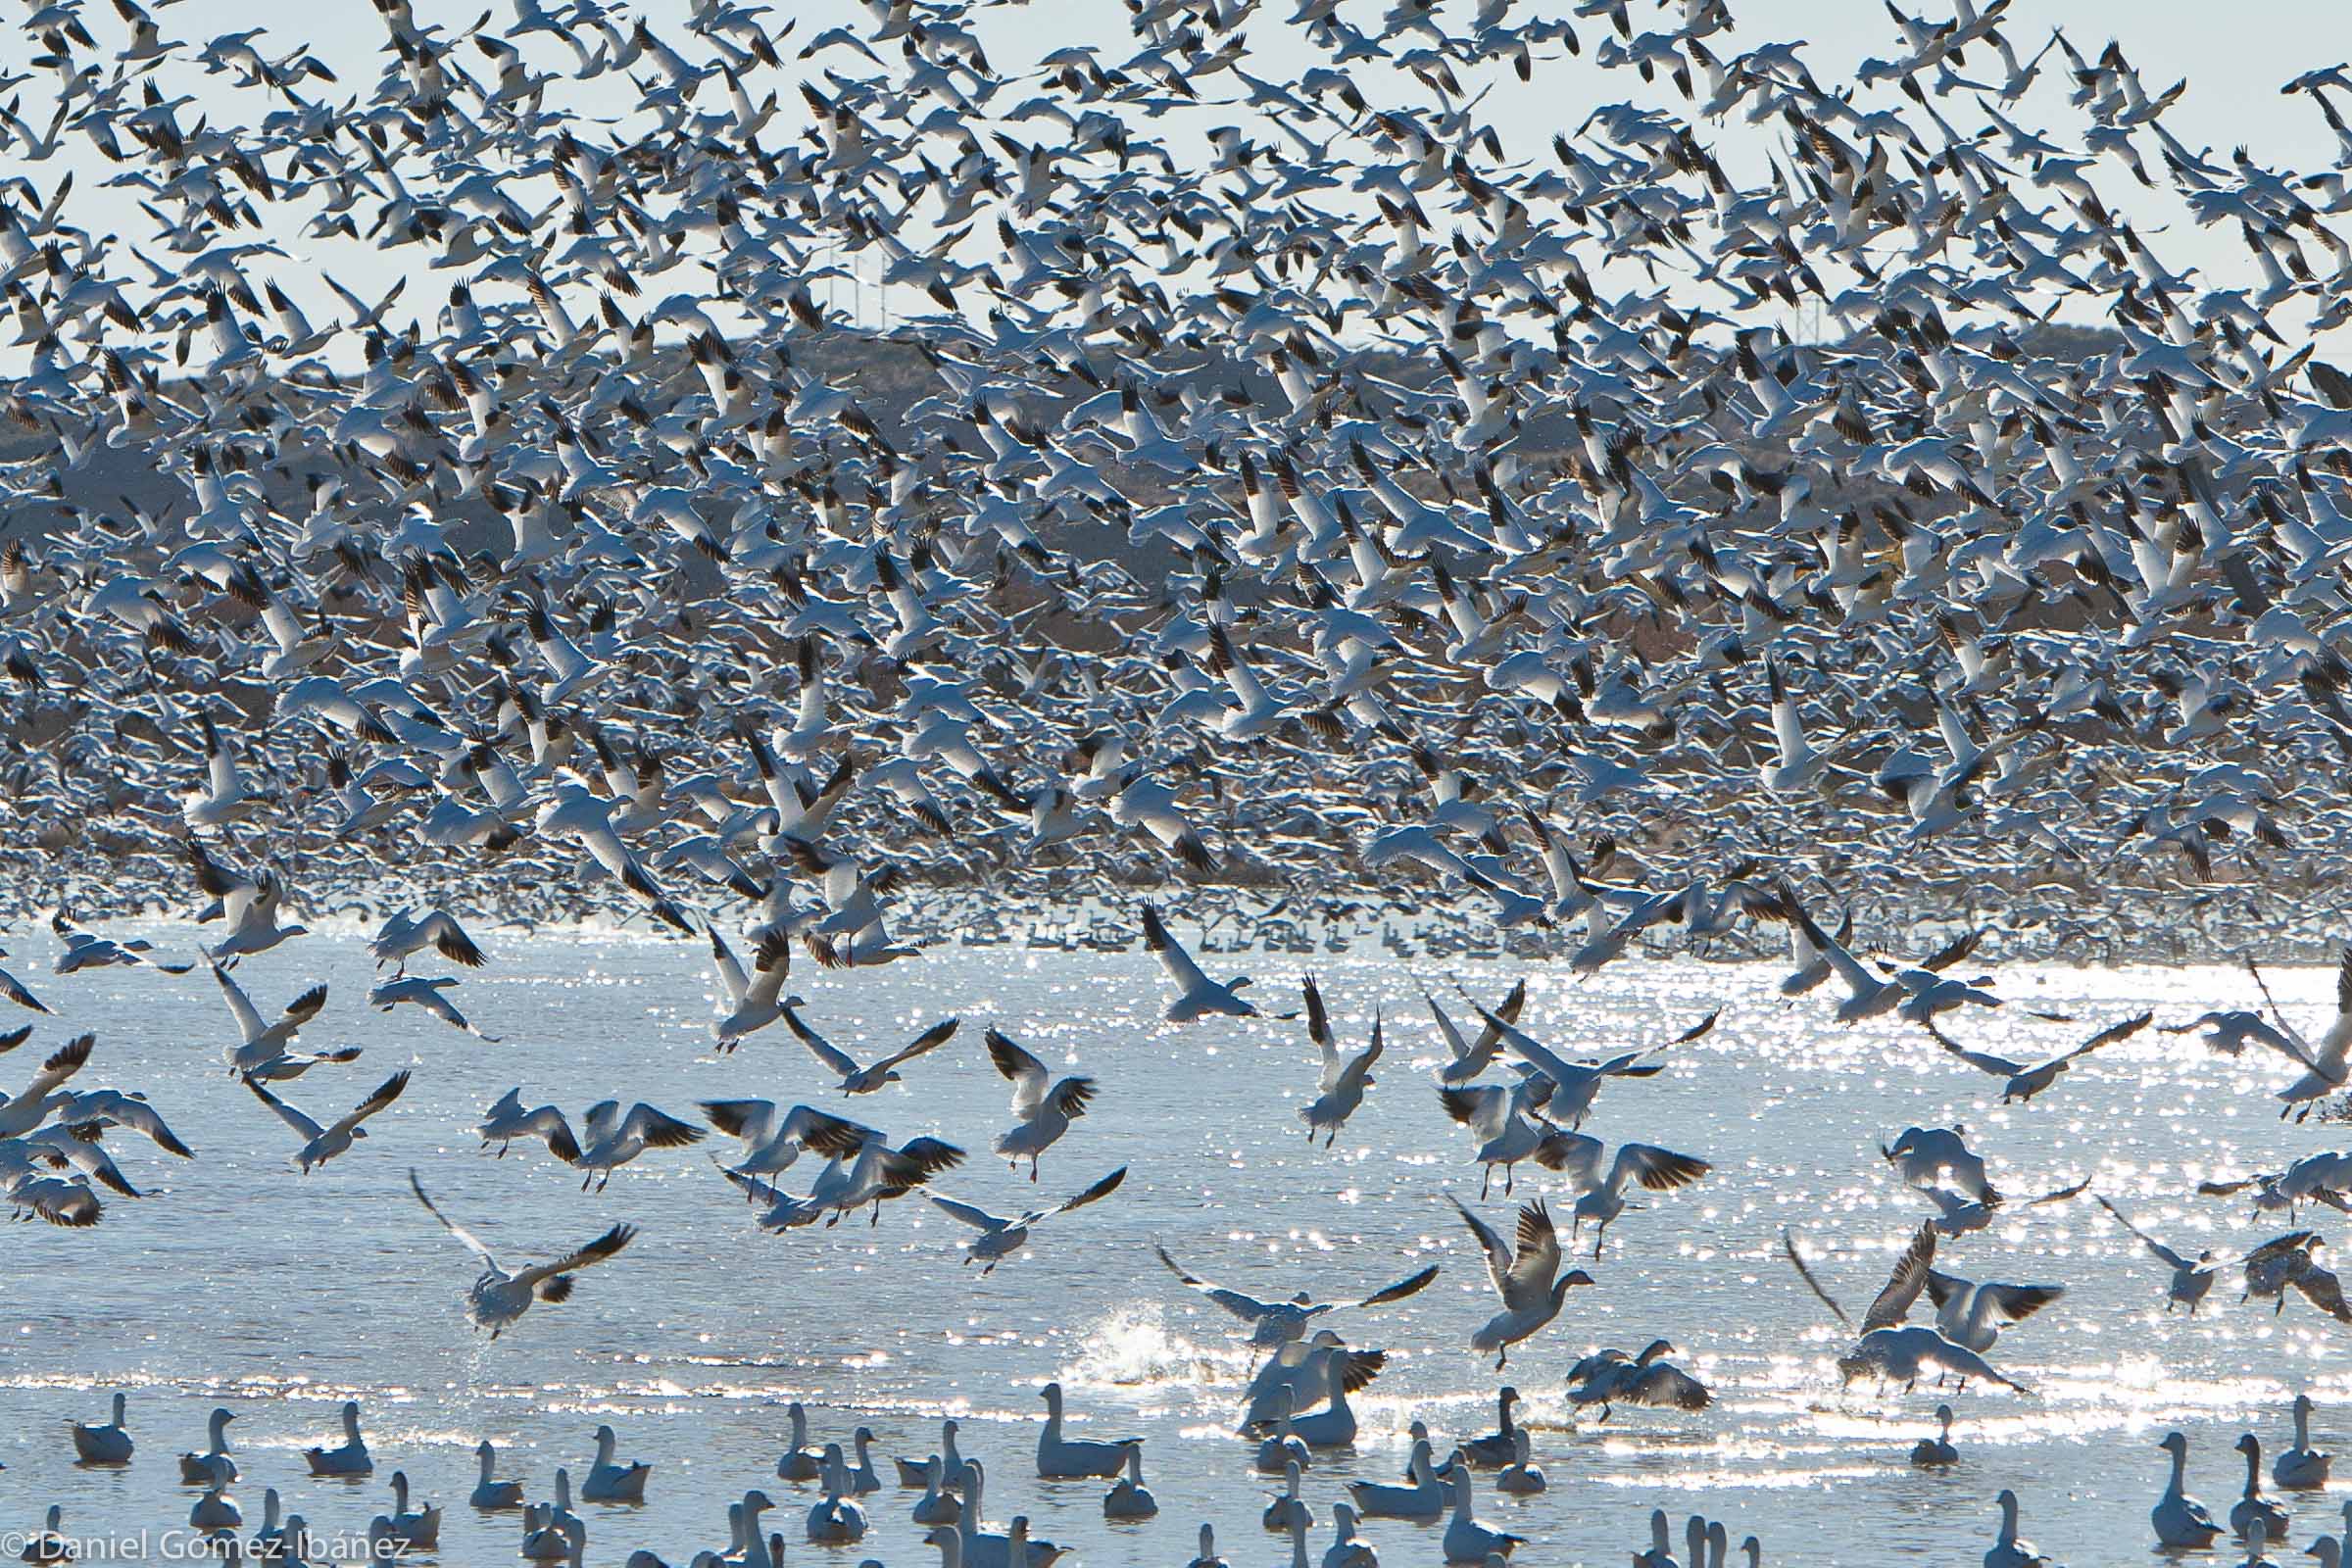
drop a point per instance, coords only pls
(1325, 498)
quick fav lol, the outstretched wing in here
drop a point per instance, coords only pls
(1410, 1285)
(1797, 1260)
(1248, 1308)
(1173, 958)
(286, 1114)
(1903, 1285)
(1498, 1256)
(931, 1039)
(473, 1244)
(834, 1058)
(1023, 1071)
(2162, 1253)
(556, 1275)
(1101, 1190)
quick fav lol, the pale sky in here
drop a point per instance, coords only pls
(2233, 74)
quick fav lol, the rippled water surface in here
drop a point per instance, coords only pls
(238, 1282)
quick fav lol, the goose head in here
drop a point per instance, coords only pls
(1566, 1282)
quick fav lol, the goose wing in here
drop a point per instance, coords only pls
(449, 939)
(240, 1006)
(931, 1039)
(835, 1060)
(1318, 1029)
(62, 1063)
(1095, 1194)
(658, 1129)
(1797, 1260)
(302, 1125)
(1249, 1309)
(1539, 1259)
(1023, 1071)
(1484, 1109)
(730, 968)
(1659, 1170)
(1498, 1256)
(385, 1093)
(1904, 1285)
(472, 1243)
(553, 1280)
(2110, 1035)
(978, 1218)
(1410, 1285)
(2162, 1253)
(1172, 958)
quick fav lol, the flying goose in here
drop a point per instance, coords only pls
(498, 1299)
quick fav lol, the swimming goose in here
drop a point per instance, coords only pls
(1500, 1446)
(937, 1505)
(351, 1457)
(982, 1548)
(419, 1528)
(2301, 1468)
(608, 1481)
(488, 1494)
(862, 1477)
(834, 1520)
(1207, 1558)
(1930, 1453)
(49, 1544)
(214, 1467)
(1283, 1450)
(497, 1299)
(1519, 1477)
(1661, 1543)
(1127, 1498)
(1532, 1296)
(214, 1511)
(867, 1080)
(107, 1444)
(1465, 1538)
(1425, 1498)
(2180, 1520)
(1061, 1458)
(1347, 1549)
(323, 1143)
(2007, 1550)
(2253, 1512)
(1046, 1109)
(1335, 1425)
(1000, 1238)
(799, 1462)
(1287, 1509)
(917, 1472)
(1278, 1323)
(550, 1533)
(1197, 994)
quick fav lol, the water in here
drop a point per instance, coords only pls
(238, 1282)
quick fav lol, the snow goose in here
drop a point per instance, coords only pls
(2192, 1277)
(1347, 1549)
(1520, 1478)
(214, 1511)
(416, 991)
(109, 1445)
(417, 1528)
(1278, 1323)
(349, 1458)
(1000, 1238)
(1287, 1509)
(1061, 1458)
(1532, 1287)
(1046, 1109)
(49, 1544)
(611, 1482)
(2007, 1549)
(834, 1520)
(937, 1505)
(403, 935)
(497, 1299)
(1424, 1498)
(1207, 1558)
(262, 1052)
(798, 1464)
(1611, 1377)
(1334, 1427)
(1345, 1078)
(866, 1080)
(1661, 1543)
(1283, 1450)
(2180, 1520)
(1197, 994)
(1501, 1446)
(1937, 1450)
(323, 1143)
(984, 1549)
(489, 1494)
(1972, 1315)
(1128, 1499)
(214, 1465)
(2326, 1065)
(862, 1477)
(2301, 1468)
(508, 1120)
(1887, 1350)
(1653, 1169)
(753, 1003)
(918, 1472)
(2025, 1080)
(2255, 1516)
(1506, 1136)
(1466, 1540)
(614, 1140)
(1302, 1370)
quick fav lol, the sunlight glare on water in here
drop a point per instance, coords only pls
(236, 1282)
